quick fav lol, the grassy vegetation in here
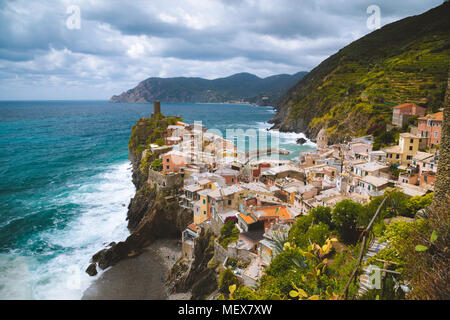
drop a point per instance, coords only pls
(228, 233)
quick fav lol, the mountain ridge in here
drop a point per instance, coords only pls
(242, 86)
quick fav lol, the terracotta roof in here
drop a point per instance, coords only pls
(435, 116)
(405, 105)
(247, 218)
(393, 149)
(273, 211)
(193, 227)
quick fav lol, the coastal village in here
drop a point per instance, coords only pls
(248, 202)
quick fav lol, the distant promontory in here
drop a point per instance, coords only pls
(240, 87)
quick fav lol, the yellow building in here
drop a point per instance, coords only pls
(203, 213)
(407, 147)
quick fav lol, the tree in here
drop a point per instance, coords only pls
(344, 216)
(417, 203)
(321, 214)
(226, 279)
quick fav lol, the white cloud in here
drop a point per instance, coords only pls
(120, 44)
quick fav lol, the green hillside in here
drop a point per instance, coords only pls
(355, 89)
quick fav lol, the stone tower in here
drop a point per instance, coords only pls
(156, 108)
(322, 139)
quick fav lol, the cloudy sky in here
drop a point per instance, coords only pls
(46, 52)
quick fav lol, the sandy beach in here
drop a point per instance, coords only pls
(139, 278)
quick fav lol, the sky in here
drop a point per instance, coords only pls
(56, 50)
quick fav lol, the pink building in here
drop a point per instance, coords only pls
(430, 128)
(230, 176)
(173, 161)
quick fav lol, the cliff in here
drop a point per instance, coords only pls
(196, 276)
(239, 87)
(153, 213)
(355, 89)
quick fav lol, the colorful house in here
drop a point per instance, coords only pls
(430, 128)
(173, 161)
(403, 153)
(402, 113)
(264, 217)
(230, 176)
(204, 209)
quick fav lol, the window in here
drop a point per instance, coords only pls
(167, 159)
(435, 134)
(167, 167)
(397, 156)
(204, 212)
(366, 173)
(204, 201)
(232, 179)
(431, 166)
(229, 202)
(408, 157)
(425, 178)
(410, 148)
(411, 140)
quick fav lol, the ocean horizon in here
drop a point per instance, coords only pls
(66, 184)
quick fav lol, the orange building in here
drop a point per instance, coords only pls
(264, 217)
(430, 128)
(173, 161)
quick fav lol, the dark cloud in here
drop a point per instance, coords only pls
(121, 43)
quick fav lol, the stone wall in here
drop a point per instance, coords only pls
(165, 181)
(220, 253)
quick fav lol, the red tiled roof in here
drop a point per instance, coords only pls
(435, 116)
(405, 105)
(247, 218)
(272, 211)
(193, 227)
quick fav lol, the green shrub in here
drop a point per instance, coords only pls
(160, 142)
(245, 293)
(228, 233)
(344, 216)
(226, 279)
(157, 164)
(321, 214)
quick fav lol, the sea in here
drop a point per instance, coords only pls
(65, 184)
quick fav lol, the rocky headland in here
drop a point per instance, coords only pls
(154, 214)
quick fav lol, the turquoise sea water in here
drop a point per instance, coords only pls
(66, 183)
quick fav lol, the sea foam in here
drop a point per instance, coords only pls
(100, 220)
